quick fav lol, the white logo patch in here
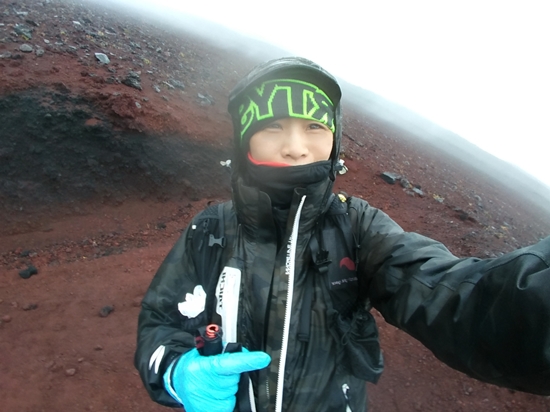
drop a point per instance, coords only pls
(194, 303)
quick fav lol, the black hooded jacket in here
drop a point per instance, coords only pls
(489, 318)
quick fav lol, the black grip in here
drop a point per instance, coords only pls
(208, 340)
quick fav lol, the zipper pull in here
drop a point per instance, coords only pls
(345, 391)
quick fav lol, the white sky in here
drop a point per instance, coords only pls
(480, 68)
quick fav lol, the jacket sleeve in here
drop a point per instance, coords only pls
(489, 318)
(163, 333)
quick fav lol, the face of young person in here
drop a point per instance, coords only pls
(292, 141)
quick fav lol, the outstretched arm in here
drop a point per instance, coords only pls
(488, 318)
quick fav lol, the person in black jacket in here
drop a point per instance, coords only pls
(301, 268)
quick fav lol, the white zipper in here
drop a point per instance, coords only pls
(251, 396)
(289, 271)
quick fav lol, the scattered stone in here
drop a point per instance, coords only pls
(50, 364)
(177, 84)
(479, 201)
(26, 48)
(27, 273)
(156, 88)
(138, 105)
(98, 347)
(418, 191)
(70, 372)
(80, 360)
(5, 55)
(106, 311)
(206, 100)
(23, 30)
(6, 318)
(462, 214)
(133, 79)
(136, 303)
(102, 57)
(405, 183)
(169, 85)
(389, 177)
(29, 306)
(14, 305)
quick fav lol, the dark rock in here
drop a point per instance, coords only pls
(27, 273)
(390, 178)
(405, 183)
(23, 30)
(133, 80)
(29, 306)
(106, 311)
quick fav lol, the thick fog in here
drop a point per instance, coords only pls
(476, 70)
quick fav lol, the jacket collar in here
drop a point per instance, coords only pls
(254, 208)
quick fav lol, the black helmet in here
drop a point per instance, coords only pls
(296, 68)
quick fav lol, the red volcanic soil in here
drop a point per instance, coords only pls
(98, 178)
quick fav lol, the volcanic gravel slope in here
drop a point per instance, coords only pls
(103, 165)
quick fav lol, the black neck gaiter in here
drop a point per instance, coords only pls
(279, 182)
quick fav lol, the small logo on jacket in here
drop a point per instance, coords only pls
(347, 263)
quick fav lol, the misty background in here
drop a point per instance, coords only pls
(462, 75)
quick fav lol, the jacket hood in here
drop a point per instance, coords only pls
(287, 67)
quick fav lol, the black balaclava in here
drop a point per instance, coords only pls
(287, 87)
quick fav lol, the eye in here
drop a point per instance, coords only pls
(273, 126)
(317, 126)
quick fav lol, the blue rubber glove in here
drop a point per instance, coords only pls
(210, 383)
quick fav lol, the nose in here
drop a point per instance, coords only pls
(295, 145)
